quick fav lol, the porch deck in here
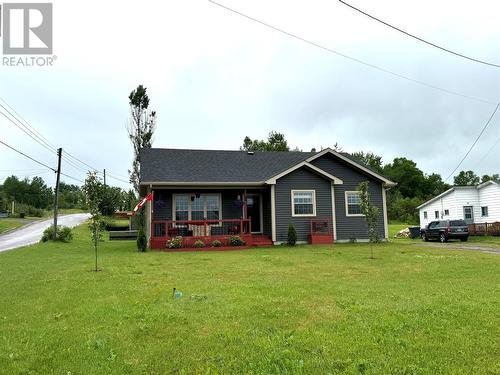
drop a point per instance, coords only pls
(225, 231)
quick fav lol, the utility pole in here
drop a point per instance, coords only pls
(104, 177)
(56, 196)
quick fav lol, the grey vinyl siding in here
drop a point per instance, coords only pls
(349, 227)
(163, 202)
(300, 179)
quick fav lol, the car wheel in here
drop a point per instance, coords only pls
(464, 239)
(442, 238)
(424, 237)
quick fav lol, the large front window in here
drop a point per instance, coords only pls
(303, 203)
(197, 207)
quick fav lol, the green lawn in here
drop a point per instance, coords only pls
(12, 223)
(395, 227)
(321, 309)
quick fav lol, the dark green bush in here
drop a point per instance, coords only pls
(28, 210)
(216, 243)
(199, 244)
(236, 241)
(142, 242)
(292, 235)
(64, 234)
(175, 243)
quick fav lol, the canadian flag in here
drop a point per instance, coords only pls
(149, 197)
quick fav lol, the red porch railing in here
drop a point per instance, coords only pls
(321, 231)
(193, 230)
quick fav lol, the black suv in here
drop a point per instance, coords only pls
(444, 230)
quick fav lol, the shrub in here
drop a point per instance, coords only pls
(142, 242)
(292, 235)
(236, 241)
(199, 244)
(175, 243)
(64, 234)
(28, 210)
(216, 243)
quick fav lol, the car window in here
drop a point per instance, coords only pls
(433, 224)
(457, 223)
(443, 223)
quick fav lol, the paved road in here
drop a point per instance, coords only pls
(32, 233)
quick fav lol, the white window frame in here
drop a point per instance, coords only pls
(189, 195)
(292, 193)
(425, 215)
(446, 212)
(487, 211)
(346, 193)
(436, 215)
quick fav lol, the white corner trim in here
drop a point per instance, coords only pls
(346, 205)
(342, 157)
(273, 179)
(384, 207)
(292, 192)
(334, 218)
(273, 213)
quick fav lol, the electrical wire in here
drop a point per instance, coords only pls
(73, 178)
(420, 39)
(28, 125)
(295, 36)
(473, 144)
(29, 130)
(24, 130)
(488, 152)
(29, 157)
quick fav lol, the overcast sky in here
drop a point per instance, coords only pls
(214, 77)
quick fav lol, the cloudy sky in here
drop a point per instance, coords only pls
(214, 77)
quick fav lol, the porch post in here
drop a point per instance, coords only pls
(273, 213)
(245, 206)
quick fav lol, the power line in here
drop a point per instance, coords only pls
(351, 58)
(488, 152)
(82, 162)
(29, 130)
(73, 178)
(477, 139)
(116, 178)
(28, 125)
(23, 129)
(29, 157)
(418, 38)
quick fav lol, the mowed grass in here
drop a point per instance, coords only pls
(395, 227)
(7, 224)
(321, 309)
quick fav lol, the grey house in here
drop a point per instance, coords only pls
(208, 194)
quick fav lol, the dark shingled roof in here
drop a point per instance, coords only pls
(177, 165)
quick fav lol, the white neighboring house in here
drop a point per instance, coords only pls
(474, 204)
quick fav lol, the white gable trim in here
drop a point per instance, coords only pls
(336, 181)
(357, 165)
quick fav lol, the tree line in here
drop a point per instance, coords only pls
(33, 197)
(413, 187)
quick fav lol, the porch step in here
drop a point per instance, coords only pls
(261, 241)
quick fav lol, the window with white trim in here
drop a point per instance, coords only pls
(484, 211)
(446, 212)
(436, 214)
(425, 214)
(197, 207)
(181, 204)
(353, 203)
(303, 203)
